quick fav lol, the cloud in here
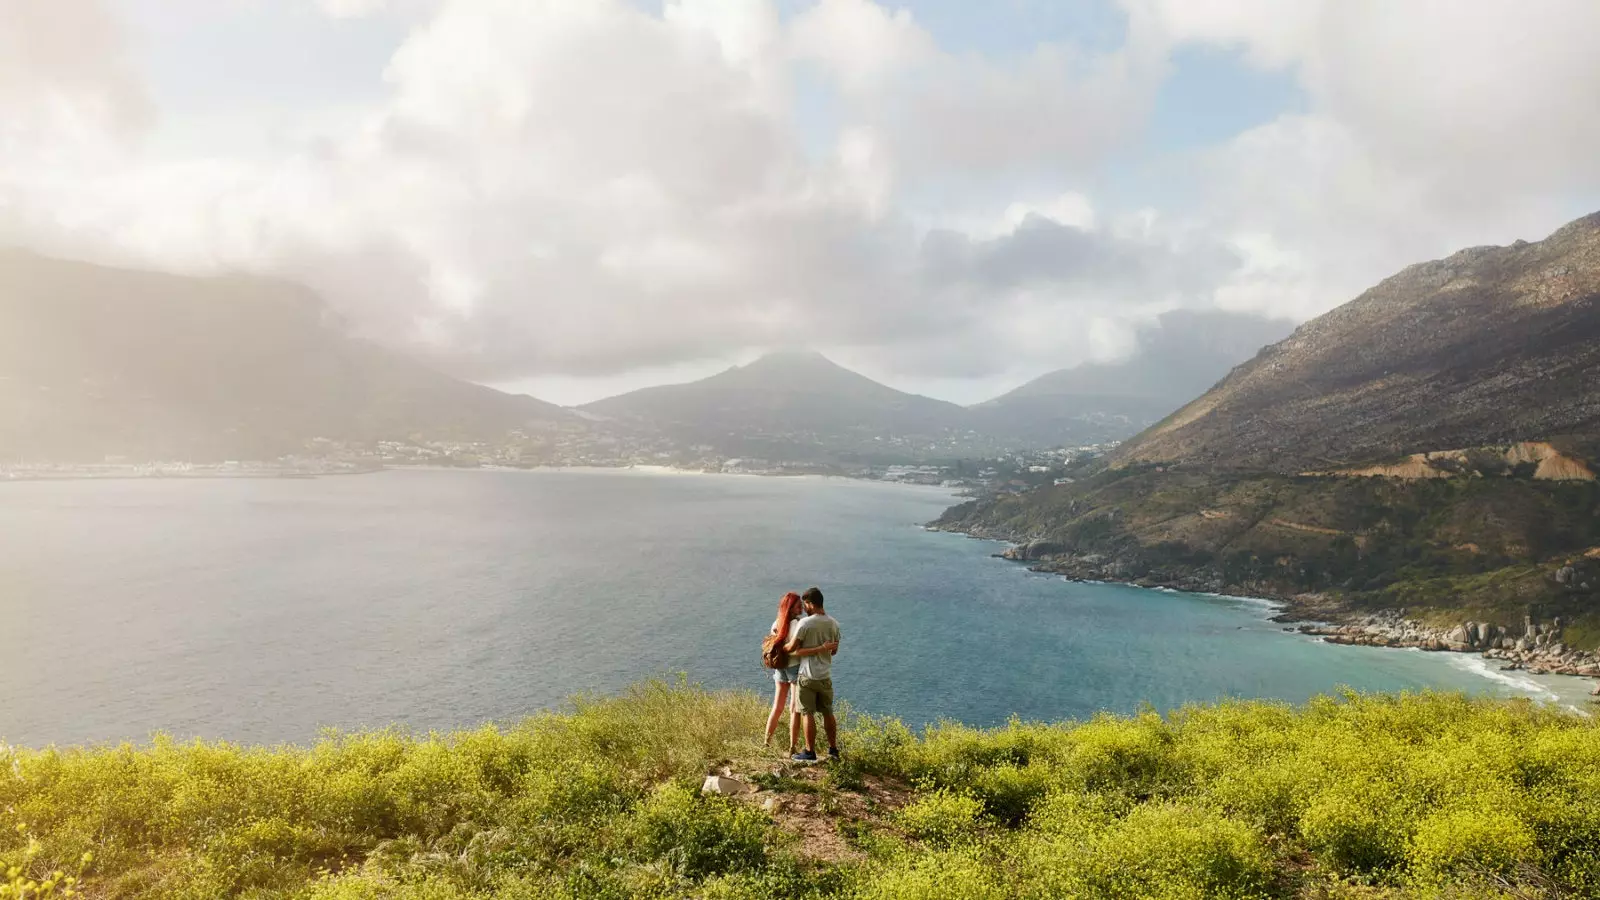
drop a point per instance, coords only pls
(1428, 127)
(1056, 108)
(65, 80)
(582, 187)
(351, 9)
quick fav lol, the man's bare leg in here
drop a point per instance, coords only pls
(811, 733)
(794, 728)
(831, 726)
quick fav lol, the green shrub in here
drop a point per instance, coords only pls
(1475, 840)
(698, 836)
(1358, 828)
(947, 875)
(1156, 851)
(941, 818)
(1008, 791)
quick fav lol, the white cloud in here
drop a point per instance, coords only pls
(572, 188)
(1431, 125)
(580, 187)
(862, 44)
(351, 9)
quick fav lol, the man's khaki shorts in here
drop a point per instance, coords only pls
(816, 695)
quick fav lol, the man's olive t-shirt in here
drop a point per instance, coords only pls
(814, 631)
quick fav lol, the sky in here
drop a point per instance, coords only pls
(574, 198)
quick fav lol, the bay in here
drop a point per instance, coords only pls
(265, 610)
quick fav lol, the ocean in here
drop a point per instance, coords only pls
(265, 610)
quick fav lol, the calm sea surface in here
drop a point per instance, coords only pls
(261, 610)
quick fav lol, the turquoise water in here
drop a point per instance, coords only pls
(261, 610)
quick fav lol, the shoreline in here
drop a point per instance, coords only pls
(1537, 652)
(953, 492)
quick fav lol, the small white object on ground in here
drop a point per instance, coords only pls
(722, 784)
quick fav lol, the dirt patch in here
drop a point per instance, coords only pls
(1416, 465)
(1550, 464)
(1313, 529)
(803, 802)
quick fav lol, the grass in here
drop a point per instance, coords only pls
(1354, 796)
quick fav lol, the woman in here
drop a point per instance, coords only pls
(784, 679)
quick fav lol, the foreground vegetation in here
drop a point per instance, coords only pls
(1354, 796)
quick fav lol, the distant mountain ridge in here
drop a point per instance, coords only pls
(1098, 402)
(817, 406)
(97, 361)
(100, 361)
(799, 403)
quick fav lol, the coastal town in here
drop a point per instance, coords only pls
(1016, 471)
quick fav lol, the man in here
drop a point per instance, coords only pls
(814, 643)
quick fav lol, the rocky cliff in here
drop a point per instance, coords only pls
(1430, 445)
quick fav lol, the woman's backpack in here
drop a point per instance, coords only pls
(772, 653)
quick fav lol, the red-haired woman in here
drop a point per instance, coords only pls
(784, 679)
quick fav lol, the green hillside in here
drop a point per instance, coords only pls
(1347, 797)
(1446, 549)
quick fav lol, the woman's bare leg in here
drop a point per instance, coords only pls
(794, 720)
(780, 704)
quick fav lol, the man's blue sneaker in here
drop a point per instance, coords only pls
(804, 756)
(833, 754)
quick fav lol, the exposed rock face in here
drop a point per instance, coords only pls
(1033, 550)
(1491, 346)
(1543, 462)
(1391, 629)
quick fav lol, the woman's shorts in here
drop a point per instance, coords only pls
(786, 676)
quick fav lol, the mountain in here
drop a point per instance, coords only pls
(1429, 446)
(795, 405)
(98, 361)
(1494, 345)
(1100, 402)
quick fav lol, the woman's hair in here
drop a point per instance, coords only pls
(788, 611)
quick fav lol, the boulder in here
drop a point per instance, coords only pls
(774, 805)
(722, 784)
(1033, 550)
(1564, 575)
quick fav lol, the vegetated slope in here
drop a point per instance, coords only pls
(1181, 352)
(793, 406)
(1429, 445)
(1493, 345)
(1358, 797)
(97, 361)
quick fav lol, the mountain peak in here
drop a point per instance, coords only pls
(792, 359)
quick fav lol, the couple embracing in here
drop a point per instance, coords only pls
(800, 651)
